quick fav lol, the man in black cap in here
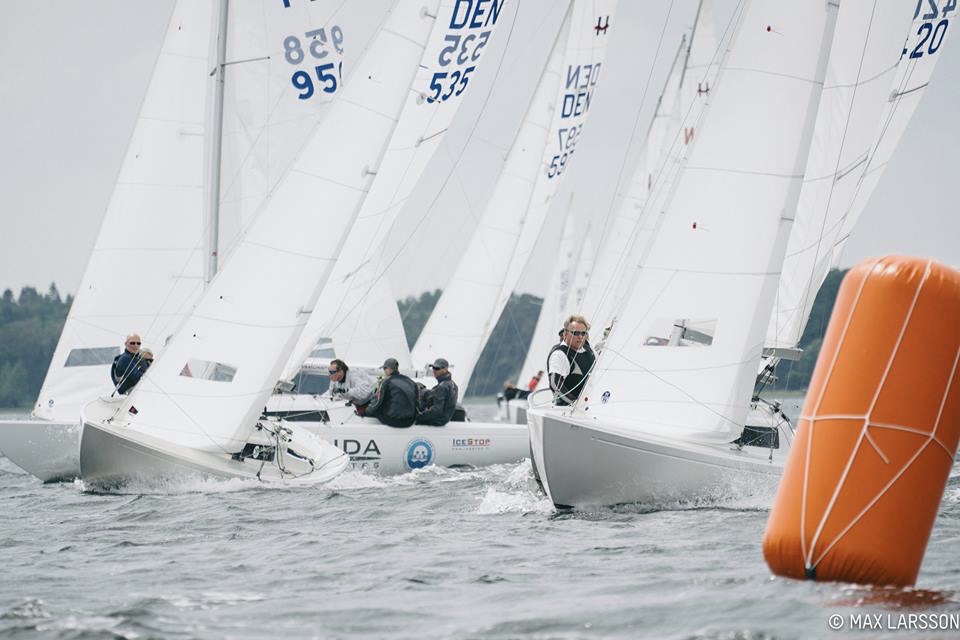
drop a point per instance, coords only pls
(439, 403)
(395, 401)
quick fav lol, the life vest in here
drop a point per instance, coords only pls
(580, 365)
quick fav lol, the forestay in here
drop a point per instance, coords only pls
(357, 307)
(874, 82)
(145, 270)
(628, 224)
(555, 302)
(681, 359)
(207, 389)
(488, 271)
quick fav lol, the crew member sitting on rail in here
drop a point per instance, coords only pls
(439, 403)
(395, 401)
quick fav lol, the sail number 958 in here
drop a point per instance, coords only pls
(329, 74)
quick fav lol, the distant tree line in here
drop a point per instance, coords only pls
(30, 326)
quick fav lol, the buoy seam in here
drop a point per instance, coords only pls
(866, 426)
(816, 410)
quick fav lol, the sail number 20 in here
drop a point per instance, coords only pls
(931, 35)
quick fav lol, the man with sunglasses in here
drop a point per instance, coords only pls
(126, 369)
(357, 386)
(570, 361)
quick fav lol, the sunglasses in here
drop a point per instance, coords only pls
(333, 371)
(137, 343)
(577, 333)
(149, 359)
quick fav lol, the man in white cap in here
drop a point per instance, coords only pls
(395, 401)
(439, 403)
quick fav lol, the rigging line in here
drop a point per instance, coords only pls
(836, 169)
(677, 387)
(429, 209)
(269, 120)
(605, 228)
(908, 74)
(864, 431)
(669, 166)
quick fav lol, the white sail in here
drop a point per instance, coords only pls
(488, 271)
(683, 353)
(207, 388)
(145, 270)
(672, 129)
(274, 94)
(357, 307)
(555, 302)
(869, 69)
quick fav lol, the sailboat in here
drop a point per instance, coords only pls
(663, 415)
(160, 187)
(356, 308)
(199, 407)
(161, 193)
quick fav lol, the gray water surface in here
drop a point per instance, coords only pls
(432, 554)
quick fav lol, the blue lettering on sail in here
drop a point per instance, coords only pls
(462, 45)
(475, 13)
(325, 47)
(930, 33)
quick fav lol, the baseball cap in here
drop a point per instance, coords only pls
(440, 363)
(391, 363)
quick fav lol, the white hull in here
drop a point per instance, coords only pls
(583, 466)
(113, 455)
(374, 446)
(46, 449)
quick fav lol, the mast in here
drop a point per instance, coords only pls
(216, 147)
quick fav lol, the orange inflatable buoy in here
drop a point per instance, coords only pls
(878, 432)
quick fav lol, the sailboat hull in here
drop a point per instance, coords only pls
(581, 466)
(47, 449)
(375, 447)
(113, 455)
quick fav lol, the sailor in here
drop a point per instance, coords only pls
(438, 404)
(357, 386)
(127, 369)
(570, 361)
(535, 381)
(395, 400)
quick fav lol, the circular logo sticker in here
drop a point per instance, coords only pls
(419, 453)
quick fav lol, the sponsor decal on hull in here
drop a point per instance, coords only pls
(419, 453)
(461, 444)
(362, 456)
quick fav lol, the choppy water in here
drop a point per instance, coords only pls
(432, 554)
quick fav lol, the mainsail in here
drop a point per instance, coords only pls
(681, 358)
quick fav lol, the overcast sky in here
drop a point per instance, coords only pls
(72, 76)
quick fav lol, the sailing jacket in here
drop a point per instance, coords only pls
(395, 402)
(356, 385)
(567, 382)
(439, 403)
(126, 371)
